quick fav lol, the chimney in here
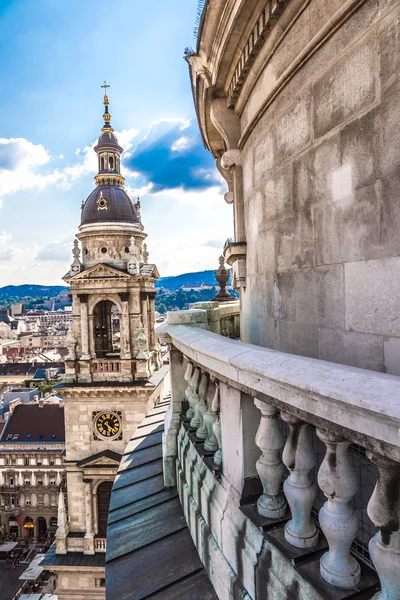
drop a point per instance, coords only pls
(13, 404)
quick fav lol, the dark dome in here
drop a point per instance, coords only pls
(108, 139)
(120, 207)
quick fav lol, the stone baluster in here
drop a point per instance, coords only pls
(201, 408)
(300, 490)
(211, 416)
(338, 519)
(384, 512)
(270, 468)
(194, 397)
(188, 392)
(84, 326)
(217, 430)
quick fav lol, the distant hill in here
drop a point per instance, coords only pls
(170, 283)
(29, 291)
(175, 283)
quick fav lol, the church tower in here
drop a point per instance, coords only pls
(113, 353)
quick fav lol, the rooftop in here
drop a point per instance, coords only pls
(34, 423)
(150, 552)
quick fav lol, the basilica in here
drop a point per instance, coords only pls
(113, 372)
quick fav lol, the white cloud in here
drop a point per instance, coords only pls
(180, 145)
(57, 250)
(7, 251)
(19, 160)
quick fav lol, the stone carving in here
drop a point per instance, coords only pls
(338, 519)
(195, 398)
(217, 426)
(133, 265)
(189, 390)
(270, 468)
(145, 255)
(201, 408)
(210, 417)
(300, 490)
(76, 265)
(222, 275)
(384, 512)
(231, 158)
(142, 345)
(70, 342)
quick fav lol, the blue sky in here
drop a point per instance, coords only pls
(54, 57)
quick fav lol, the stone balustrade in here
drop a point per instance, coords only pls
(287, 428)
(100, 544)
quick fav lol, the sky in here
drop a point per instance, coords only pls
(55, 55)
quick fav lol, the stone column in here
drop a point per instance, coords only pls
(152, 321)
(144, 311)
(92, 350)
(20, 479)
(1, 477)
(300, 490)
(89, 536)
(384, 512)
(84, 326)
(270, 468)
(124, 327)
(58, 478)
(46, 479)
(338, 519)
(33, 479)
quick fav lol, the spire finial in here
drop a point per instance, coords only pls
(106, 115)
(105, 86)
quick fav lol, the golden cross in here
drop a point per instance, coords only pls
(105, 86)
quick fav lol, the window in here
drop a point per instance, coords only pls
(26, 460)
(41, 436)
(29, 435)
(53, 437)
(40, 482)
(52, 482)
(28, 502)
(27, 482)
(15, 436)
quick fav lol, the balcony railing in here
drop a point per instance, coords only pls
(10, 509)
(310, 448)
(106, 366)
(10, 488)
(100, 544)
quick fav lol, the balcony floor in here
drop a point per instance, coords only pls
(149, 548)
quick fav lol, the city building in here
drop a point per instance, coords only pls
(32, 444)
(281, 452)
(114, 372)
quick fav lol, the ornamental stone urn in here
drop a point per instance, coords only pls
(222, 275)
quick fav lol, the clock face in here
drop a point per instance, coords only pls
(108, 425)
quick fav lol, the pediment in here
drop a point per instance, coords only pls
(101, 271)
(104, 459)
(150, 271)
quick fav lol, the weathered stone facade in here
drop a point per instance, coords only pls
(300, 102)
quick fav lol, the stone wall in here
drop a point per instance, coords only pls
(321, 183)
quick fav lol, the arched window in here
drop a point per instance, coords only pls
(103, 504)
(111, 162)
(106, 330)
(102, 163)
